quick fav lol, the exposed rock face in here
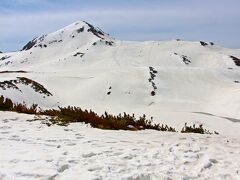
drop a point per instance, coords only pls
(203, 43)
(236, 60)
(29, 45)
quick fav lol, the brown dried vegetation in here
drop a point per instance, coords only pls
(66, 115)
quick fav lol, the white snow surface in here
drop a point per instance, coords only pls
(80, 64)
(31, 150)
(173, 81)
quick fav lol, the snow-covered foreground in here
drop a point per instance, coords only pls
(32, 150)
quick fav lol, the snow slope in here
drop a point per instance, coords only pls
(83, 66)
(31, 150)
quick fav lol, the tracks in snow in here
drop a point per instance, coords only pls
(58, 152)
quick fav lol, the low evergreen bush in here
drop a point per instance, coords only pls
(72, 114)
(195, 129)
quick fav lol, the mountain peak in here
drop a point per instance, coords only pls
(81, 26)
(81, 30)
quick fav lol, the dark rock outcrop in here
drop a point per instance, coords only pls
(236, 60)
(29, 45)
(96, 31)
(203, 43)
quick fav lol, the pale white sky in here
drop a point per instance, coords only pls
(208, 20)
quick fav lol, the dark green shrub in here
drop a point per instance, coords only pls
(71, 114)
(5, 104)
(194, 129)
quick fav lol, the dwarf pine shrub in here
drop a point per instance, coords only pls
(195, 129)
(72, 114)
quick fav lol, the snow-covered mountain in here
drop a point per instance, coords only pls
(173, 81)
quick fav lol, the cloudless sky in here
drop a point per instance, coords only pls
(208, 20)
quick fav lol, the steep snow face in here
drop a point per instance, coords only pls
(83, 66)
